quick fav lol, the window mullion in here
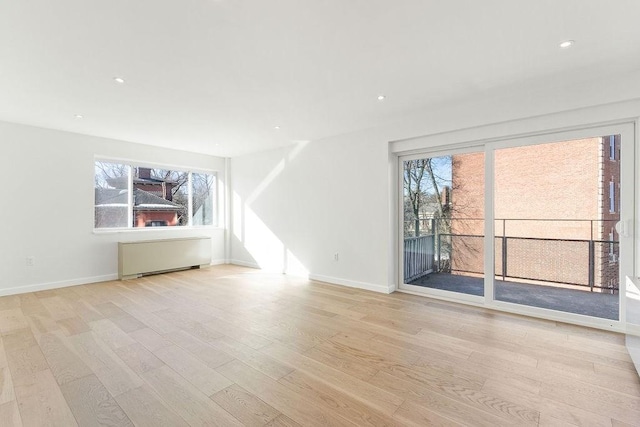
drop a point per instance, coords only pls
(131, 197)
(190, 199)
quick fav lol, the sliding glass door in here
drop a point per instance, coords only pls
(553, 211)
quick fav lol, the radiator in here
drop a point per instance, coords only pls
(155, 256)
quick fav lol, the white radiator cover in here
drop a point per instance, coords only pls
(154, 256)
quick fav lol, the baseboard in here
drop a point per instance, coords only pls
(56, 285)
(244, 263)
(352, 283)
(219, 262)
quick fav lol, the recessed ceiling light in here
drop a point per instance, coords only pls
(381, 97)
(276, 127)
(118, 80)
(567, 44)
(79, 116)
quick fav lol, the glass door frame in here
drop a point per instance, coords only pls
(628, 161)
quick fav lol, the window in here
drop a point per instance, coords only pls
(612, 147)
(612, 196)
(132, 196)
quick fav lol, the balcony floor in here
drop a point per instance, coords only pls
(595, 304)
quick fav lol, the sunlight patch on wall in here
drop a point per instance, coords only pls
(294, 267)
(237, 223)
(266, 181)
(263, 245)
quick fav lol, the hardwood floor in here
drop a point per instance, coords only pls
(232, 346)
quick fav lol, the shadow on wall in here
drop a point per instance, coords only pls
(253, 242)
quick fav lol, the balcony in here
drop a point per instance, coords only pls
(575, 271)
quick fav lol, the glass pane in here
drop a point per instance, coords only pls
(161, 198)
(444, 223)
(203, 186)
(111, 182)
(556, 206)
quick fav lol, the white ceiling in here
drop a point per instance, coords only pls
(216, 76)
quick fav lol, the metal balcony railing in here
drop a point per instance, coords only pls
(586, 262)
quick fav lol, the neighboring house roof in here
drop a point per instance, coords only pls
(142, 200)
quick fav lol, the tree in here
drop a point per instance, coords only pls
(424, 181)
(413, 186)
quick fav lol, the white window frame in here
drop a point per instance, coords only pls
(132, 164)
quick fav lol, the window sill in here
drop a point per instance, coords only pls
(154, 229)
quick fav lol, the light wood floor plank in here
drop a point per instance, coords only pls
(58, 308)
(190, 368)
(210, 356)
(551, 410)
(41, 402)
(6, 386)
(187, 401)
(358, 389)
(138, 358)
(10, 414)
(12, 319)
(65, 365)
(91, 403)
(42, 323)
(116, 376)
(332, 399)
(150, 339)
(146, 409)
(251, 357)
(282, 421)
(24, 362)
(415, 415)
(280, 397)
(73, 325)
(246, 407)
(111, 334)
(30, 304)
(229, 345)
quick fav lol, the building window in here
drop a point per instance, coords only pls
(131, 196)
(612, 147)
(612, 196)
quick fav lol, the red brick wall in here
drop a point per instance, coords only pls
(548, 181)
(566, 180)
(142, 217)
(467, 204)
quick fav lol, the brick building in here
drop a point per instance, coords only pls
(555, 207)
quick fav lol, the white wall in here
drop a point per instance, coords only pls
(294, 208)
(46, 210)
